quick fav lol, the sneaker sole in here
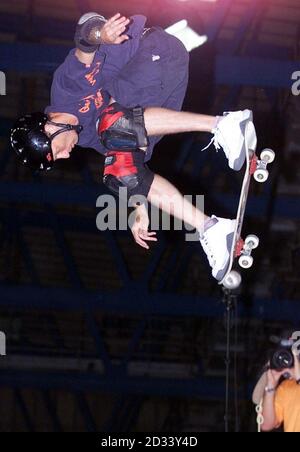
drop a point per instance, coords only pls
(221, 274)
(238, 163)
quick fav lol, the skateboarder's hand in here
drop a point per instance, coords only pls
(114, 29)
(140, 228)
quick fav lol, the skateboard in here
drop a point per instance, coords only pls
(241, 250)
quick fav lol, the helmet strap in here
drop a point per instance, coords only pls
(64, 128)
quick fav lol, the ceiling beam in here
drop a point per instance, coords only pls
(135, 299)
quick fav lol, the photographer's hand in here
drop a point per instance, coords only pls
(273, 378)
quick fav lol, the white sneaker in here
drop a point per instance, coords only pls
(234, 136)
(217, 244)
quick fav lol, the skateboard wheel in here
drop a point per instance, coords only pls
(268, 156)
(246, 261)
(261, 175)
(232, 281)
(252, 241)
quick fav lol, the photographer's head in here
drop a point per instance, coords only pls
(39, 140)
(284, 361)
(278, 392)
(283, 364)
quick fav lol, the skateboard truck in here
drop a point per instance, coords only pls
(261, 174)
(243, 251)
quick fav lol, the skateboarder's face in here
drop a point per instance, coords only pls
(64, 143)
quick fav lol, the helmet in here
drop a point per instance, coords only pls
(32, 144)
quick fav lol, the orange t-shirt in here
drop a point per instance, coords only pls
(287, 406)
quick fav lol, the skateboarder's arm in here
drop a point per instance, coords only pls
(111, 34)
(117, 30)
(166, 197)
(82, 71)
(75, 79)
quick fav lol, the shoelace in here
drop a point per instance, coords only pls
(214, 140)
(208, 251)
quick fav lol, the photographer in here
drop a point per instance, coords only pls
(281, 401)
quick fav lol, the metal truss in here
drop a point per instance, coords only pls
(234, 68)
(137, 300)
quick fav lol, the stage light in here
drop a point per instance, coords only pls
(190, 39)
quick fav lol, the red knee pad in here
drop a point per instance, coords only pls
(127, 170)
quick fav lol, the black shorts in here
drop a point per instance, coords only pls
(157, 76)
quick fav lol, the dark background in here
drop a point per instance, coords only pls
(101, 335)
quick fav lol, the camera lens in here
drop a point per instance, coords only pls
(282, 359)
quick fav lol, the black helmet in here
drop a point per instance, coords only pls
(32, 144)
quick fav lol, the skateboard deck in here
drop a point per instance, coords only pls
(241, 250)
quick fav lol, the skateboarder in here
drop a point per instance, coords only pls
(117, 65)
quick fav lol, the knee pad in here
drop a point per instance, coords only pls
(122, 128)
(127, 170)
